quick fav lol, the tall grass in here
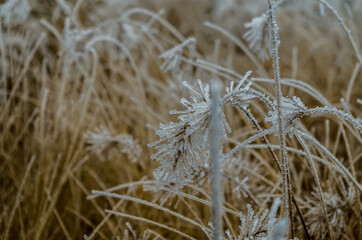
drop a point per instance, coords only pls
(180, 119)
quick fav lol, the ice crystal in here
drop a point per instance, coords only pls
(182, 146)
(15, 11)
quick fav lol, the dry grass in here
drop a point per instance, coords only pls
(78, 108)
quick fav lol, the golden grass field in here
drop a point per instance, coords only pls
(85, 84)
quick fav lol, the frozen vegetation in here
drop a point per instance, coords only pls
(224, 119)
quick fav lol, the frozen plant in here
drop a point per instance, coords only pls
(263, 226)
(258, 36)
(72, 41)
(15, 11)
(340, 209)
(242, 94)
(293, 111)
(160, 195)
(65, 7)
(215, 156)
(223, 7)
(101, 143)
(182, 146)
(172, 57)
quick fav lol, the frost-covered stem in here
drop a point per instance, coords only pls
(216, 165)
(334, 111)
(145, 220)
(156, 17)
(287, 206)
(146, 203)
(249, 141)
(348, 31)
(268, 145)
(240, 44)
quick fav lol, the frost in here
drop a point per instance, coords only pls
(262, 226)
(65, 7)
(101, 143)
(15, 11)
(182, 146)
(172, 57)
(292, 110)
(239, 96)
(223, 7)
(339, 209)
(258, 36)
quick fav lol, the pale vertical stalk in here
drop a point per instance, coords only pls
(274, 36)
(216, 165)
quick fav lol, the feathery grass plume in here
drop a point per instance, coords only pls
(99, 65)
(237, 95)
(15, 12)
(186, 142)
(102, 144)
(241, 97)
(258, 36)
(341, 211)
(293, 111)
(274, 36)
(266, 226)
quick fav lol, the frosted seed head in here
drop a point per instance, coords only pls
(15, 11)
(292, 110)
(101, 143)
(258, 36)
(181, 147)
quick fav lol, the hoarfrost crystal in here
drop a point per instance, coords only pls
(292, 110)
(182, 147)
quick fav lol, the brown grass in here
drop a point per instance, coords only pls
(49, 104)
